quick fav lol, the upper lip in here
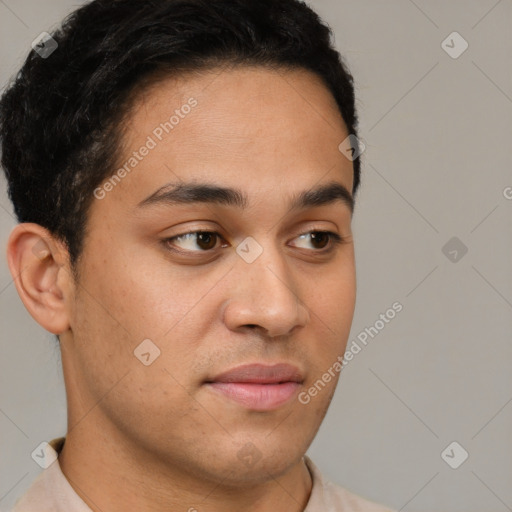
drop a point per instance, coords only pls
(261, 374)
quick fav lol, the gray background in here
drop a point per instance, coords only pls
(437, 162)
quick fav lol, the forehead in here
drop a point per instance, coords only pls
(251, 127)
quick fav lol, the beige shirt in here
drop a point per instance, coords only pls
(51, 491)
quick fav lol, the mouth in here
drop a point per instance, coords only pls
(258, 387)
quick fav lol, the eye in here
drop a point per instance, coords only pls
(204, 241)
(321, 239)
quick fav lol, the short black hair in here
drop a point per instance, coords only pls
(60, 118)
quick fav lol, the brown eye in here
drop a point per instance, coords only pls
(194, 241)
(320, 239)
(206, 240)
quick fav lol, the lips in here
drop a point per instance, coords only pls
(261, 374)
(257, 386)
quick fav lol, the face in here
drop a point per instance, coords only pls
(182, 281)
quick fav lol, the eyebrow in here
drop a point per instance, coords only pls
(187, 193)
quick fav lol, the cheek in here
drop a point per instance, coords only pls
(333, 300)
(152, 297)
(113, 313)
(331, 312)
(129, 301)
(125, 389)
(126, 292)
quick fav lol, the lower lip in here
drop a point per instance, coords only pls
(261, 397)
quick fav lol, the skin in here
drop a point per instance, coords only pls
(161, 439)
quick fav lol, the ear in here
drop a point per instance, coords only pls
(39, 265)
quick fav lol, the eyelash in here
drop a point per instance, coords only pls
(335, 239)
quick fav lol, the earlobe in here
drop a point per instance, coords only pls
(39, 266)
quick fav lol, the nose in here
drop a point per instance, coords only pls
(265, 295)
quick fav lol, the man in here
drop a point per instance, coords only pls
(184, 180)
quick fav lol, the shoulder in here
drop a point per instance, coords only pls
(327, 496)
(51, 490)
